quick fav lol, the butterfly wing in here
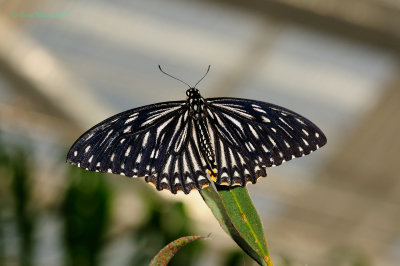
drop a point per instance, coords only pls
(153, 141)
(250, 135)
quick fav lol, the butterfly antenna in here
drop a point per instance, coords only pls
(172, 76)
(208, 69)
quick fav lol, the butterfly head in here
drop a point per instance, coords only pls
(193, 93)
(196, 103)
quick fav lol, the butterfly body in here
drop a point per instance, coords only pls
(186, 145)
(197, 111)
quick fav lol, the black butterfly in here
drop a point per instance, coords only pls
(183, 145)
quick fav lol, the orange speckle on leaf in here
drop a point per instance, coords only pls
(268, 261)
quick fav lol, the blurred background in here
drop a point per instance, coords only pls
(66, 65)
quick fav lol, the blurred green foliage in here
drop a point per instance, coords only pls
(165, 222)
(25, 216)
(16, 198)
(86, 214)
(4, 160)
(85, 211)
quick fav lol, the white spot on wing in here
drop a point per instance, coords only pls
(166, 167)
(233, 161)
(254, 132)
(162, 126)
(134, 114)
(90, 135)
(185, 165)
(145, 139)
(127, 129)
(128, 151)
(130, 120)
(159, 115)
(108, 134)
(176, 167)
(287, 144)
(75, 153)
(181, 139)
(223, 161)
(272, 141)
(258, 108)
(241, 159)
(233, 120)
(222, 124)
(87, 149)
(234, 109)
(250, 146)
(300, 121)
(266, 119)
(139, 158)
(283, 120)
(264, 148)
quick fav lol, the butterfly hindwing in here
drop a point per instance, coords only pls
(249, 136)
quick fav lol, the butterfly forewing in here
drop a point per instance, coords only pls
(249, 136)
(153, 141)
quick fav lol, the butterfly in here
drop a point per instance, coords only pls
(186, 145)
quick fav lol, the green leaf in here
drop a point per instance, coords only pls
(237, 215)
(166, 253)
(215, 203)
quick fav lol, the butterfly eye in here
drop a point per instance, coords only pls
(188, 93)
